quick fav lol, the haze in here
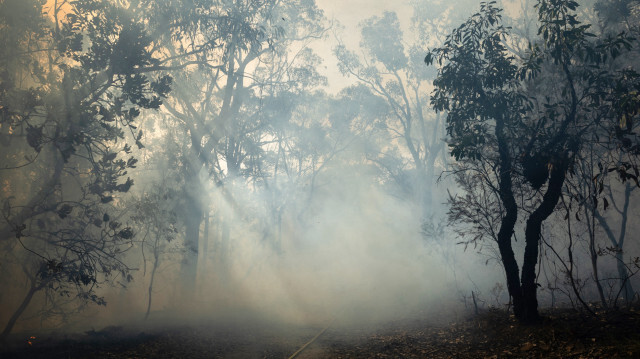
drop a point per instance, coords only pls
(177, 161)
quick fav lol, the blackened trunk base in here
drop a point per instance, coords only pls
(533, 232)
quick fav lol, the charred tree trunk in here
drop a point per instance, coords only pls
(508, 221)
(533, 232)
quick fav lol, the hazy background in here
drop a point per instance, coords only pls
(315, 199)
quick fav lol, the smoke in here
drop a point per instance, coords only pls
(361, 255)
(335, 242)
(356, 253)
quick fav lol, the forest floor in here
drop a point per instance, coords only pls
(491, 334)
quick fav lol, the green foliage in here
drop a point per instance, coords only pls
(70, 97)
(529, 119)
(398, 132)
(480, 82)
(476, 82)
(382, 37)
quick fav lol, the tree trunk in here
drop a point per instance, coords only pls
(14, 318)
(533, 232)
(509, 262)
(626, 287)
(190, 261)
(204, 257)
(205, 236)
(589, 214)
(596, 276)
(427, 201)
(508, 221)
(625, 284)
(223, 247)
(156, 260)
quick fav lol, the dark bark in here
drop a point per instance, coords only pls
(533, 232)
(593, 254)
(622, 269)
(508, 221)
(589, 214)
(596, 277)
(550, 199)
(156, 261)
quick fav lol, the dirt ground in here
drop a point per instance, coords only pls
(492, 334)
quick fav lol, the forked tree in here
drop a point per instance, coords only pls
(530, 117)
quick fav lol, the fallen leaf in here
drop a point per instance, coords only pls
(526, 347)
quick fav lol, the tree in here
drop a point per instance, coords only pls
(530, 117)
(247, 63)
(618, 242)
(600, 209)
(396, 77)
(157, 220)
(617, 13)
(70, 93)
